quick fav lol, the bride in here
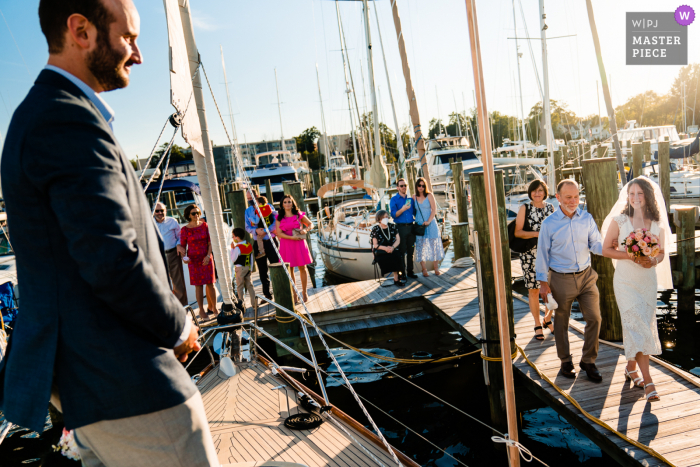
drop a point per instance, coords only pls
(640, 205)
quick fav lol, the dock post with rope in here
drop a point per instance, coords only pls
(600, 180)
(491, 352)
(685, 217)
(665, 171)
(557, 167)
(288, 327)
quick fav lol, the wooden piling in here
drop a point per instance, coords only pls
(646, 149)
(287, 325)
(317, 182)
(460, 240)
(601, 151)
(557, 168)
(577, 156)
(268, 192)
(600, 179)
(684, 218)
(637, 158)
(238, 202)
(665, 171)
(460, 192)
(490, 327)
(411, 178)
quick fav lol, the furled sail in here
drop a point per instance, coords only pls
(181, 92)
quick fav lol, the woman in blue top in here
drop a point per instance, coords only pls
(429, 245)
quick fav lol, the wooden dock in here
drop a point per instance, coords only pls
(671, 426)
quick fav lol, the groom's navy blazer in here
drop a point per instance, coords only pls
(97, 316)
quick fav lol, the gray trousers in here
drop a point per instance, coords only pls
(244, 281)
(177, 276)
(174, 437)
(581, 287)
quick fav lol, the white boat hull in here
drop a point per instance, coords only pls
(356, 263)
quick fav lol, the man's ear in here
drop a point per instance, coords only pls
(81, 31)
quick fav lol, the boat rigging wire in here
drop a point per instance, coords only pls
(15, 41)
(298, 293)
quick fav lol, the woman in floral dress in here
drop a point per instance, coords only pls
(194, 238)
(534, 213)
(428, 245)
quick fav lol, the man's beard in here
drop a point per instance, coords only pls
(105, 63)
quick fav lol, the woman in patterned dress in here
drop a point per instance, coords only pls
(429, 245)
(194, 237)
(535, 212)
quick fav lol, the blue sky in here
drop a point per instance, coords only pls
(293, 35)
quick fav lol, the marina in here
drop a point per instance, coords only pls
(366, 363)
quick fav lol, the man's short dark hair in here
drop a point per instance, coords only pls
(401, 180)
(54, 14)
(534, 186)
(566, 181)
(239, 233)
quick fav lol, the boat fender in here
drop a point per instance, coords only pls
(227, 367)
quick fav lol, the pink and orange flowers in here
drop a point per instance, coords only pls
(642, 242)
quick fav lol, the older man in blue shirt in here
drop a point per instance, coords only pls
(563, 268)
(402, 211)
(254, 226)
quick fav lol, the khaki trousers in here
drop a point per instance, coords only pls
(177, 276)
(245, 281)
(174, 437)
(581, 287)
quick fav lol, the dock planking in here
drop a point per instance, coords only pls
(671, 426)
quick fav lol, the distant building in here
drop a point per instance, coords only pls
(251, 149)
(223, 163)
(340, 143)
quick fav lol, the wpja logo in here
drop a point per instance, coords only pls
(656, 38)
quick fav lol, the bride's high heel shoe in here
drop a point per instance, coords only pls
(635, 381)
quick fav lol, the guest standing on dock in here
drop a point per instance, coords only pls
(255, 223)
(527, 226)
(292, 227)
(196, 244)
(640, 206)
(429, 243)
(567, 239)
(170, 231)
(402, 211)
(100, 330)
(385, 243)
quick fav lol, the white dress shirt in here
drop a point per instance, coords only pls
(170, 231)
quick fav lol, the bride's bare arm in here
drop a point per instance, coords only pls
(609, 249)
(662, 254)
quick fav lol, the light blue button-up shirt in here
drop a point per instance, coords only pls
(95, 98)
(565, 244)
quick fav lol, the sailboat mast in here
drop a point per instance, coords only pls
(373, 94)
(348, 91)
(606, 92)
(234, 149)
(369, 132)
(279, 109)
(520, 83)
(437, 101)
(459, 119)
(399, 142)
(494, 234)
(323, 122)
(547, 112)
(204, 164)
(411, 94)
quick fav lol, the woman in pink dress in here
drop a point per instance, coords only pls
(194, 238)
(293, 248)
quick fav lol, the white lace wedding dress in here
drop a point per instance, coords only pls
(635, 292)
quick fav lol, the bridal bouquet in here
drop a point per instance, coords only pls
(641, 242)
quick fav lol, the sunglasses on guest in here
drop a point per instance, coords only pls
(159, 210)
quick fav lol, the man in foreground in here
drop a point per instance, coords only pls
(563, 268)
(99, 322)
(170, 232)
(402, 211)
